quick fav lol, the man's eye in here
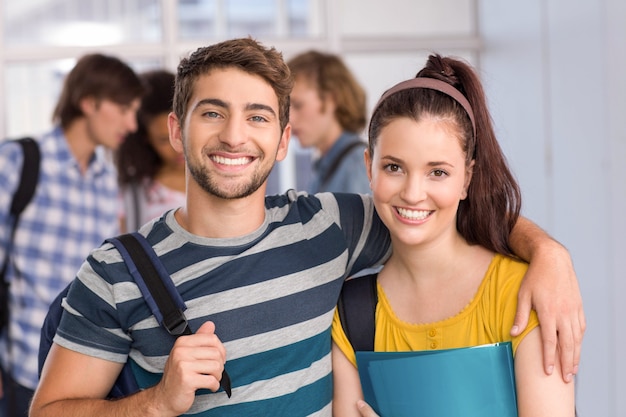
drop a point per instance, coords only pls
(258, 119)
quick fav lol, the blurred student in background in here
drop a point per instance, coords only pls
(73, 210)
(151, 173)
(328, 111)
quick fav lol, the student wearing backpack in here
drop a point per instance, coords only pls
(441, 184)
(260, 275)
(74, 208)
(327, 114)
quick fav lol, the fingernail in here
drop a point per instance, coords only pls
(568, 378)
(514, 329)
(550, 369)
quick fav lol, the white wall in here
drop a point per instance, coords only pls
(554, 75)
(615, 34)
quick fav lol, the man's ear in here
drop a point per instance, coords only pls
(283, 145)
(175, 131)
(469, 172)
(88, 105)
(329, 103)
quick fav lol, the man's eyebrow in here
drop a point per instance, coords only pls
(213, 101)
(259, 106)
(221, 103)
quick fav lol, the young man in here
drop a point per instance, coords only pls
(73, 209)
(328, 110)
(260, 275)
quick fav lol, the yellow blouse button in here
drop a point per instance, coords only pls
(433, 345)
(432, 333)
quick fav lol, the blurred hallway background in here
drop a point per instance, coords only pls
(553, 71)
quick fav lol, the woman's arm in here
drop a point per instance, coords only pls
(346, 386)
(538, 394)
(551, 288)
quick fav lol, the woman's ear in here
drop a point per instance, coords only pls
(368, 164)
(469, 172)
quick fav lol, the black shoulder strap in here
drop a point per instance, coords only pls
(337, 161)
(157, 287)
(29, 176)
(357, 311)
(25, 189)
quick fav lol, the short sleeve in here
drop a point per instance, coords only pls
(341, 340)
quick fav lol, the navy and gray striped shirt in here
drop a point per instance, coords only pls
(271, 294)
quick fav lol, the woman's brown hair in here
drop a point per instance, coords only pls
(493, 202)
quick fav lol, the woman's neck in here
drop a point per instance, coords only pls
(425, 285)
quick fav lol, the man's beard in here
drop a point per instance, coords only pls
(202, 177)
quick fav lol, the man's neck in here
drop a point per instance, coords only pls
(79, 143)
(210, 216)
(330, 138)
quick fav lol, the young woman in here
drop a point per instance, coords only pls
(151, 174)
(442, 186)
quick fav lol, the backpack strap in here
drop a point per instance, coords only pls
(337, 161)
(157, 287)
(154, 282)
(25, 189)
(29, 176)
(22, 196)
(357, 311)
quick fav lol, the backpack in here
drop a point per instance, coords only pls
(357, 311)
(23, 195)
(158, 291)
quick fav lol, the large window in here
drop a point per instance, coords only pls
(381, 41)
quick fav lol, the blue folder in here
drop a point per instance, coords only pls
(476, 381)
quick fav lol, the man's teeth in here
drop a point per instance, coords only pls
(413, 214)
(230, 161)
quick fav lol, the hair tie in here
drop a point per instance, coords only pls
(432, 84)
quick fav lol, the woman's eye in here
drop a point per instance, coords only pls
(392, 167)
(439, 173)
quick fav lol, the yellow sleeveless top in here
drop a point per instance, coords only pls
(488, 318)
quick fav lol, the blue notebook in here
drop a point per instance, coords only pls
(476, 381)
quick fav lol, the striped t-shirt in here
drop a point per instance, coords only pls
(271, 295)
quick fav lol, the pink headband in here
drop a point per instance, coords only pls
(432, 84)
